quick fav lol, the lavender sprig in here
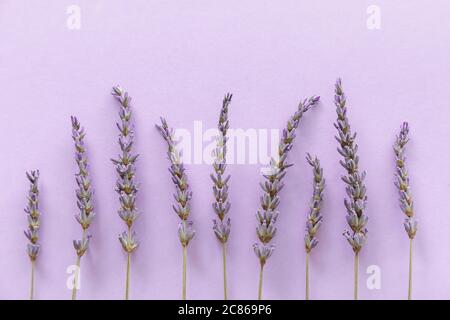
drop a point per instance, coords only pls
(84, 195)
(33, 216)
(126, 185)
(402, 181)
(182, 196)
(356, 189)
(221, 206)
(315, 219)
(267, 214)
(406, 200)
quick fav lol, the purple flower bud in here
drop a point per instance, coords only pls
(81, 246)
(33, 251)
(263, 252)
(185, 232)
(128, 241)
(222, 230)
(410, 225)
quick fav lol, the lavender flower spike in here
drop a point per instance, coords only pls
(314, 217)
(33, 215)
(267, 214)
(402, 181)
(126, 185)
(84, 195)
(182, 195)
(406, 201)
(356, 189)
(221, 206)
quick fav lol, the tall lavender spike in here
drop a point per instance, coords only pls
(84, 195)
(182, 196)
(356, 189)
(33, 216)
(315, 219)
(267, 214)
(126, 185)
(222, 205)
(406, 200)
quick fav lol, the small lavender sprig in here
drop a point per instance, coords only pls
(221, 206)
(406, 200)
(315, 219)
(84, 195)
(33, 216)
(126, 185)
(182, 196)
(267, 214)
(356, 189)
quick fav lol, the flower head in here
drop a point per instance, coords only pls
(125, 163)
(33, 215)
(267, 213)
(402, 181)
(314, 217)
(84, 191)
(221, 206)
(182, 194)
(354, 179)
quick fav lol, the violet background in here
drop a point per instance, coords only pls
(178, 59)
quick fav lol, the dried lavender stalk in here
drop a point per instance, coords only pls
(126, 185)
(33, 215)
(267, 214)
(315, 219)
(84, 195)
(356, 189)
(182, 196)
(221, 206)
(406, 201)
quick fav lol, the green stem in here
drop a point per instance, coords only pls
(33, 262)
(356, 276)
(127, 280)
(260, 281)
(183, 294)
(410, 268)
(225, 288)
(307, 276)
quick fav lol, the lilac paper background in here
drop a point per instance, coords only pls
(178, 59)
